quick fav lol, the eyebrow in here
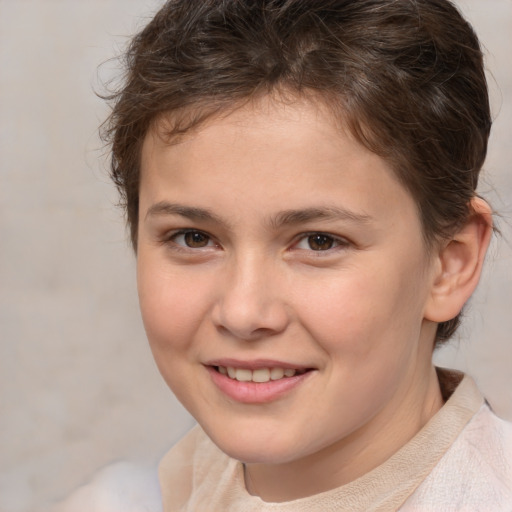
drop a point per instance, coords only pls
(292, 217)
(190, 212)
(284, 218)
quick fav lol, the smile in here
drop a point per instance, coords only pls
(259, 375)
(257, 382)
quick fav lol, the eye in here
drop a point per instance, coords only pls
(192, 239)
(320, 242)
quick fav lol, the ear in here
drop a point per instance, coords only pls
(458, 265)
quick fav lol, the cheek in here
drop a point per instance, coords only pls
(170, 306)
(171, 312)
(359, 312)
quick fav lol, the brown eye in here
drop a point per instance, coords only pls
(195, 239)
(192, 239)
(320, 242)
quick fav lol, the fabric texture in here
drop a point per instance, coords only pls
(460, 461)
(120, 487)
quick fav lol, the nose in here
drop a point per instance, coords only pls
(251, 303)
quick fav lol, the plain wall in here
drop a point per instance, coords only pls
(78, 387)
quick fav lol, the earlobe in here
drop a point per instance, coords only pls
(459, 265)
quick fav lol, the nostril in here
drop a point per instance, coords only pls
(247, 335)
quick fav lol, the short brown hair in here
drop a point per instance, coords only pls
(406, 75)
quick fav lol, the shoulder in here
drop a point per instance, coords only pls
(485, 445)
(120, 487)
(475, 473)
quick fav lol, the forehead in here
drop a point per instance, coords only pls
(273, 123)
(297, 152)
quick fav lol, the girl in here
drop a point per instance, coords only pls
(300, 185)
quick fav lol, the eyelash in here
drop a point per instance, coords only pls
(171, 239)
(336, 242)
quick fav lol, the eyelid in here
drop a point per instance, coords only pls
(340, 242)
(170, 239)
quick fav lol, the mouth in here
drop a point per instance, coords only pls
(259, 375)
(258, 381)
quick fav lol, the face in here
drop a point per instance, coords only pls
(283, 281)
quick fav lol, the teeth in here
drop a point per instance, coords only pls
(276, 373)
(259, 375)
(243, 375)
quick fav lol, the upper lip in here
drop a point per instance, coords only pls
(255, 364)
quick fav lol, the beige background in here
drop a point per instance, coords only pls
(78, 388)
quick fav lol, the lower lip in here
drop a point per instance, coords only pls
(256, 392)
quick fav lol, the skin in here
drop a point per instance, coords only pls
(253, 285)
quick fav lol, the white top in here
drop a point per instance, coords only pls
(120, 487)
(461, 461)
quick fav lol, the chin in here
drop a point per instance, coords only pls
(254, 448)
